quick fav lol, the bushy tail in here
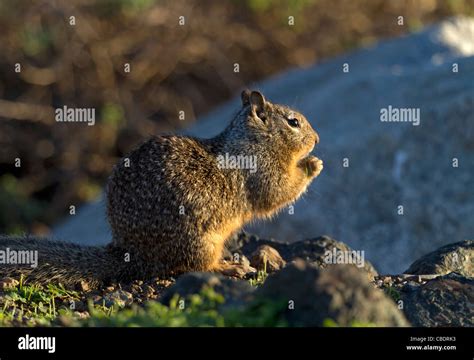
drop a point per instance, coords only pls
(45, 261)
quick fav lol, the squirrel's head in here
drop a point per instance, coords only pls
(277, 125)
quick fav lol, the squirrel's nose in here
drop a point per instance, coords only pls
(316, 139)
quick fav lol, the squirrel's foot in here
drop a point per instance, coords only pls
(312, 166)
(235, 270)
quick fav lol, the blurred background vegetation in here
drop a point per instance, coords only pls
(173, 68)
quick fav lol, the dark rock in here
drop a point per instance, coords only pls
(312, 250)
(457, 257)
(234, 291)
(340, 293)
(445, 301)
(266, 257)
(410, 287)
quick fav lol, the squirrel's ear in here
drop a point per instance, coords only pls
(258, 101)
(245, 96)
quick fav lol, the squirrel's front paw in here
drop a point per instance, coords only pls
(312, 166)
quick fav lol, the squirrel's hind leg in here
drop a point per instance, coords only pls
(219, 265)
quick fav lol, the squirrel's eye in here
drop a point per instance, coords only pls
(293, 122)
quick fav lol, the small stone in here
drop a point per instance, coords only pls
(8, 283)
(137, 288)
(149, 290)
(267, 257)
(240, 271)
(119, 297)
(82, 314)
(83, 286)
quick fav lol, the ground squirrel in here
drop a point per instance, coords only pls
(174, 201)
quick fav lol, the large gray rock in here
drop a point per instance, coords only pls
(445, 301)
(339, 294)
(390, 164)
(313, 251)
(457, 257)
